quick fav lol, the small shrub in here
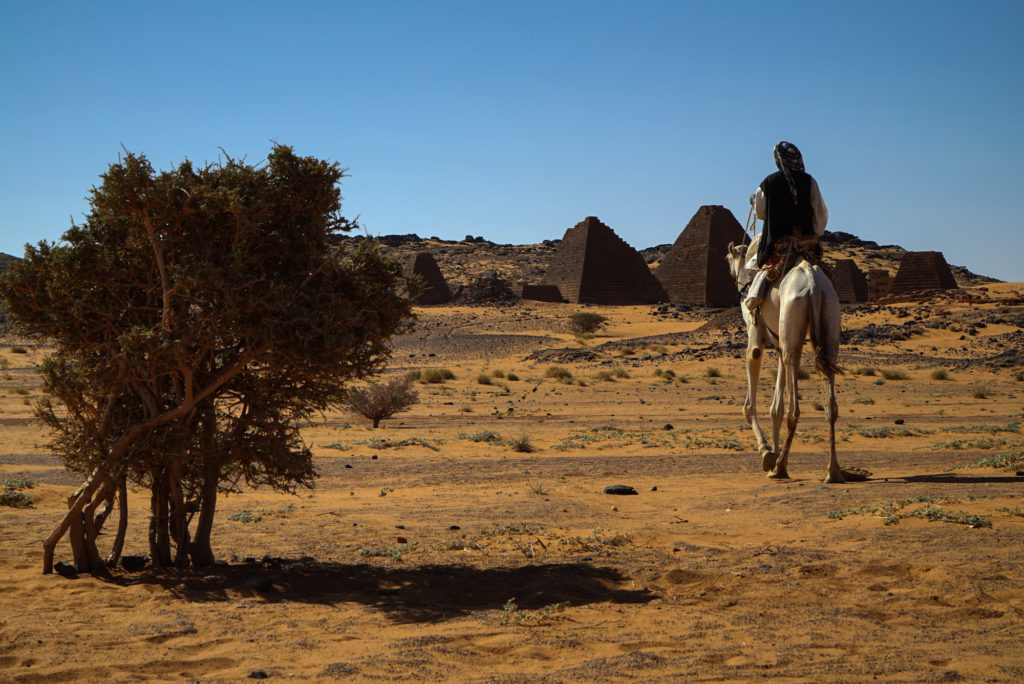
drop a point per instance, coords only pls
(864, 400)
(939, 374)
(384, 491)
(11, 494)
(627, 351)
(818, 406)
(604, 376)
(484, 379)
(803, 374)
(894, 374)
(4, 363)
(1019, 377)
(18, 349)
(246, 516)
(558, 373)
(620, 373)
(880, 381)
(586, 322)
(867, 370)
(498, 373)
(980, 391)
(538, 489)
(436, 376)
(414, 375)
(382, 400)
(512, 377)
(712, 372)
(521, 444)
(485, 436)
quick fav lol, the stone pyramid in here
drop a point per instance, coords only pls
(436, 290)
(695, 271)
(923, 271)
(850, 283)
(593, 265)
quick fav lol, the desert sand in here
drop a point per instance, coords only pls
(432, 549)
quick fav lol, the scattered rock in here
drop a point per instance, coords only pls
(258, 674)
(65, 569)
(134, 563)
(619, 489)
(898, 421)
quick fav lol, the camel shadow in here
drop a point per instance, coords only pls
(431, 593)
(953, 478)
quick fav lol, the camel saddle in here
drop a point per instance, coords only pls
(787, 250)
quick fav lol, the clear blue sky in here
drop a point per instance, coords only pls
(515, 120)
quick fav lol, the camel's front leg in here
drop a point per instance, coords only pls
(835, 473)
(754, 358)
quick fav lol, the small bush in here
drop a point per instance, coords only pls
(512, 377)
(18, 349)
(980, 391)
(803, 374)
(604, 376)
(4, 363)
(627, 351)
(864, 400)
(498, 373)
(712, 372)
(880, 381)
(521, 444)
(11, 494)
(586, 322)
(620, 373)
(558, 373)
(436, 376)
(382, 400)
(867, 370)
(894, 374)
(939, 374)
(1019, 377)
(484, 379)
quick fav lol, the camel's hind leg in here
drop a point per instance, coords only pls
(777, 410)
(788, 366)
(835, 473)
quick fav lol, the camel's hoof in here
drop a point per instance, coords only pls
(768, 459)
(835, 479)
(777, 474)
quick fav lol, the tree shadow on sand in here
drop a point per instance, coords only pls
(431, 593)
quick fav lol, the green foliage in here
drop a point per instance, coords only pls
(11, 494)
(511, 614)
(892, 512)
(586, 322)
(200, 315)
(394, 552)
(1010, 462)
(379, 401)
(485, 436)
(376, 443)
(384, 491)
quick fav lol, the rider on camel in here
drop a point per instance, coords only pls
(790, 204)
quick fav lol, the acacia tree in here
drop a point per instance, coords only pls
(199, 314)
(378, 401)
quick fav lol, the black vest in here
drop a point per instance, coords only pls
(783, 217)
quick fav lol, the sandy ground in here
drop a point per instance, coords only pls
(432, 550)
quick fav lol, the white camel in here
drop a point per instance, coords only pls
(800, 303)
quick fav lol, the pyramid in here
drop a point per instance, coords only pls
(695, 271)
(593, 265)
(435, 290)
(923, 271)
(879, 283)
(849, 281)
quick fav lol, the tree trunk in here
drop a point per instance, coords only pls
(376, 422)
(122, 523)
(159, 533)
(72, 518)
(202, 551)
(178, 520)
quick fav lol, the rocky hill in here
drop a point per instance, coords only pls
(464, 261)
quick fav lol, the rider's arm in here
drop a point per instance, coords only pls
(820, 210)
(760, 206)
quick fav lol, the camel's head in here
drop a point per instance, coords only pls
(736, 256)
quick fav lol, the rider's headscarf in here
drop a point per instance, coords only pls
(788, 159)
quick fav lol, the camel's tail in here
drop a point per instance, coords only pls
(826, 354)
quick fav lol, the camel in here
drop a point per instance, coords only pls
(799, 303)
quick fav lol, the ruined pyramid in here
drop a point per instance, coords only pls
(850, 283)
(435, 290)
(923, 271)
(593, 265)
(695, 271)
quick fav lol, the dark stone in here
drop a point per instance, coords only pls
(134, 563)
(898, 421)
(65, 569)
(454, 527)
(620, 489)
(667, 426)
(258, 674)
